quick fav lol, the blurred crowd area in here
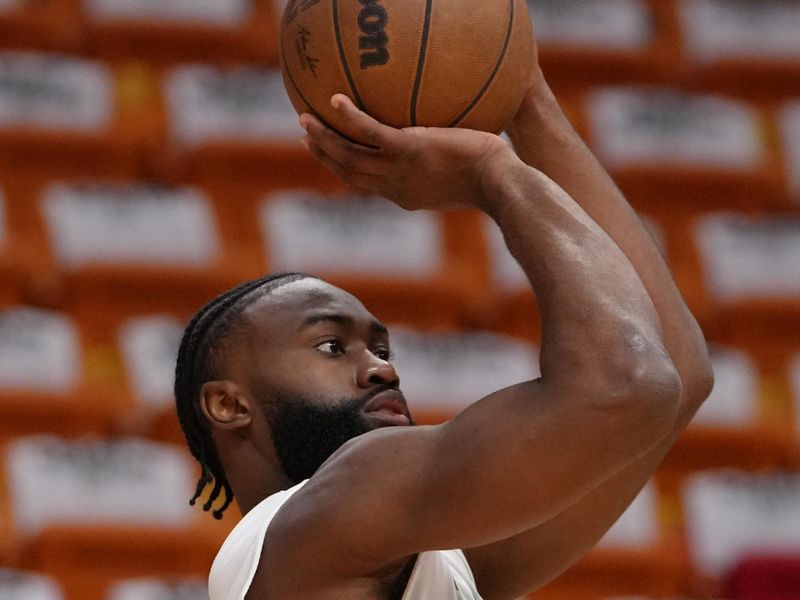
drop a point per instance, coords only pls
(149, 159)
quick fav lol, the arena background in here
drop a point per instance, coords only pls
(149, 158)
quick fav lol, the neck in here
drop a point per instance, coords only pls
(254, 475)
(248, 494)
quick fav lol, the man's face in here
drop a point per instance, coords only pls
(321, 371)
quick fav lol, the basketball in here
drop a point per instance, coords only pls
(450, 63)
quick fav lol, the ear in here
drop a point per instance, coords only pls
(225, 404)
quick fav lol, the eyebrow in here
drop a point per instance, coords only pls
(344, 320)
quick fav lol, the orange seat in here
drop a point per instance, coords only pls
(203, 33)
(696, 151)
(64, 400)
(26, 413)
(10, 544)
(78, 118)
(23, 258)
(729, 47)
(643, 555)
(48, 25)
(12, 279)
(89, 560)
(660, 573)
(12, 273)
(745, 423)
(87, 547)
(732, 515)
(737, 312)
(755, 448)
(233, 129)
(114, 340)
(639, 47)
(441, 291)
(231, 165)
(191, 268)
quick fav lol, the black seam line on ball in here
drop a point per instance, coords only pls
(288, 72)
(343, 56)
(423, 48)
(485, 87)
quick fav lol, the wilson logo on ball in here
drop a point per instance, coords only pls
(372, 22)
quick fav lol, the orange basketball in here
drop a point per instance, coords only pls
(443, 63)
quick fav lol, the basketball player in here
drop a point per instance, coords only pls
(288, 397)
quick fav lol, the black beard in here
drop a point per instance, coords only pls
(305, 434)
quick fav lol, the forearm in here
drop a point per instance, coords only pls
(544, 139)
(544, 552)
(536, 557)
(595, 310)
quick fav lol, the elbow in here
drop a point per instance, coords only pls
(698, 387)
(698, 379)
(659, 388)
(645, 390)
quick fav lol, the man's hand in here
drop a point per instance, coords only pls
(416, 167)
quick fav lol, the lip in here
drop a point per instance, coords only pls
(388, 406)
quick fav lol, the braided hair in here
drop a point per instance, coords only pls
(196, 364)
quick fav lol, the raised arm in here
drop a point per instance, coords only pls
(544, 139)
(517, 458)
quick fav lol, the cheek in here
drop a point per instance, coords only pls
(320, 377)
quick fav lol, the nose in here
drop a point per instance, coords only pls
(373, 371)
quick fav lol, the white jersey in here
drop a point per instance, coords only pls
(437, 575)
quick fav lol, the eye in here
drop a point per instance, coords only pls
(384, 353)
(331, 347)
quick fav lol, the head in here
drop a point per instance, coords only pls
(276, 375)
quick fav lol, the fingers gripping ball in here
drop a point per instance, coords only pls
(436, 63)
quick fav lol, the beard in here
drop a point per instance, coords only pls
(306, 432)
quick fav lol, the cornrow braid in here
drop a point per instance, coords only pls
(196, 363)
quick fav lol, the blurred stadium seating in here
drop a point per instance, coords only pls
(149, 160)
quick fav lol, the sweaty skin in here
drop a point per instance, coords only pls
(525, 480)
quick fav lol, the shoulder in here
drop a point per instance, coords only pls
(343, 525)
(237, 560)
